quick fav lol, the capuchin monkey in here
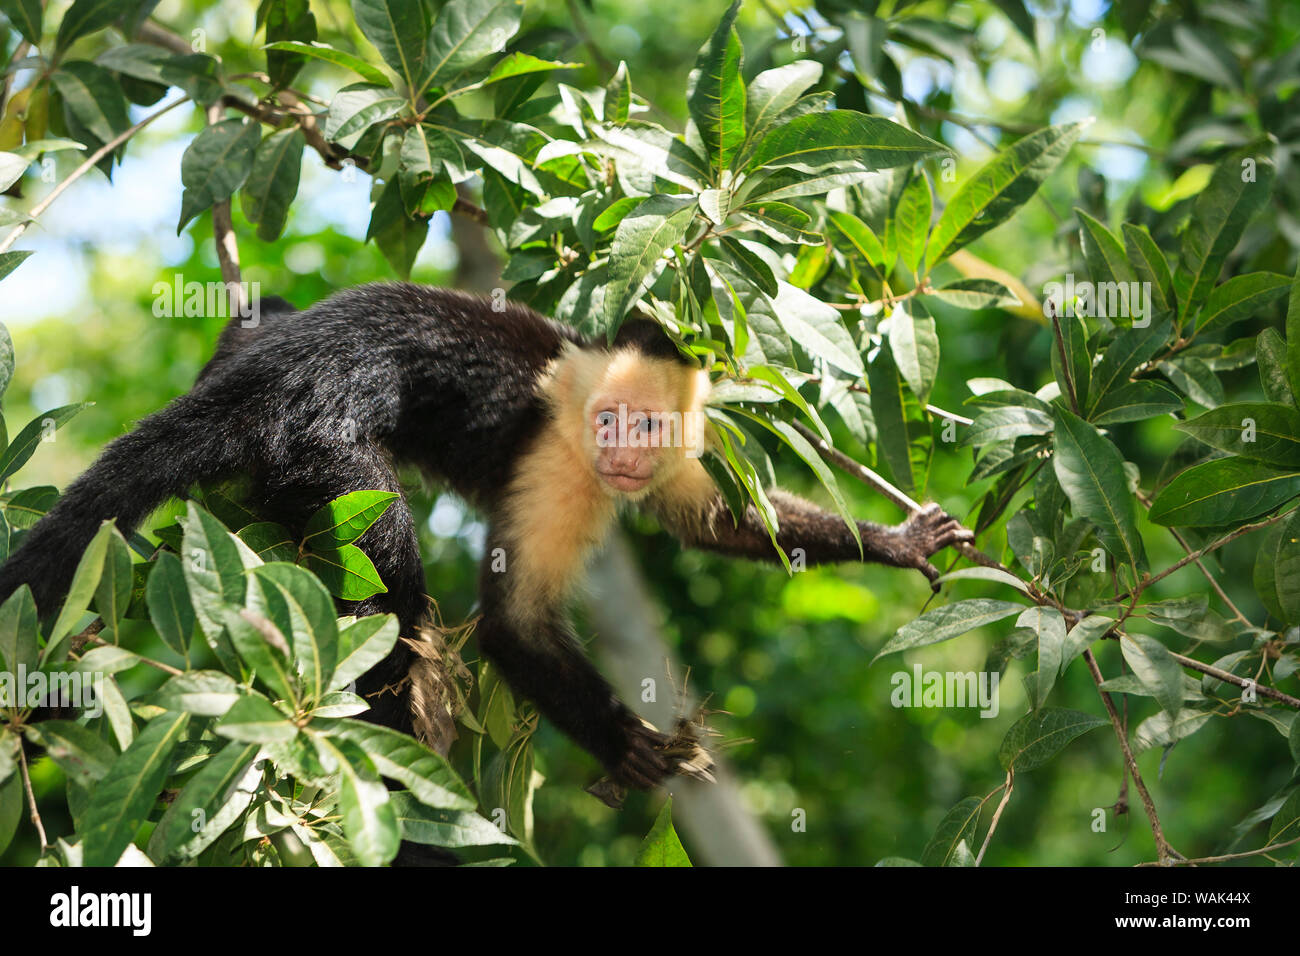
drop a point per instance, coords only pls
(548, 433)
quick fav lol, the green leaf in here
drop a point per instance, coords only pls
(93, 96)
(1071, 362)
(81, 754)
(84, 581)
(774, 91)
(39, 429)
(265, 650)
(121, 801)
(818, 328)
(465, 32)
(362, 645)
(369, 819)
(955, 829)
(314, 626)
(1261, 431)
(618, 96)
(1218, 219)
(169, 603)
(19, 631)
(428, 776)
(346, 571)
(1293, 336)
(914, 343)
(717, 101)
(441, 827)
(1091, 472)
(1241, 297)
(214, 574)
(947, 622)
(270, 541)
(661, 846)
(1104, 254)
(9, 261)
(645, 233)
(751, 264)
(1006, 423)
(201, 693)
(398, 236)
(273, 182)
(860, 237)
(1036, 738)
(113, 592)
(1136, 401)
(782, 222)
(286, 20)
(1156, 668)
(912, 221)
(976, 294)
(354, 109)
(837, 136)
(254, 719)
(346, 518)
(1130, 349)
(887, 408)
(216, 163)
(1048, 626)
(1286, 822)
(83, 17)
(12, 167)
(323, 51)
(25, 15)
(999, 188)
(1222, 492)
(1270, 356)
(399, 30)
(1150, 265)
(194, 820)
(1082, 635)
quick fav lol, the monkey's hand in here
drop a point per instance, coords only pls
(644, 763)
(929, 530)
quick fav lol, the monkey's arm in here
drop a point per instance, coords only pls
(539, 656)
(697, 515)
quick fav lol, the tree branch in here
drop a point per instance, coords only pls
(31, 800)
(1163, 850)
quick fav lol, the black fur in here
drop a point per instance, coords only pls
(314, 404)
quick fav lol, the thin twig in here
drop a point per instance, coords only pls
(1225, 857)
(997, 814)
(31, 800)
(1195, 556)
(1164, 851)
(84, 168)
(1223, 675)
(223, 234)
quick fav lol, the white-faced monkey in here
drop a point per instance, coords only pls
(516, 413)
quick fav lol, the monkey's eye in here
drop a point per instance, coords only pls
(606, 419)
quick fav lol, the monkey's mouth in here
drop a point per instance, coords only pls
(622, 481)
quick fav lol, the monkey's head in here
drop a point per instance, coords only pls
(640, 413)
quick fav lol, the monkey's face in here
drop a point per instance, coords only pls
(629, 445)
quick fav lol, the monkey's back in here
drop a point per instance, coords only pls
(439, 378)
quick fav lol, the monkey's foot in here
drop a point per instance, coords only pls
(678, 754)
(929, 530)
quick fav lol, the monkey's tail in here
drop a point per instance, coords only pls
(165, 454)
